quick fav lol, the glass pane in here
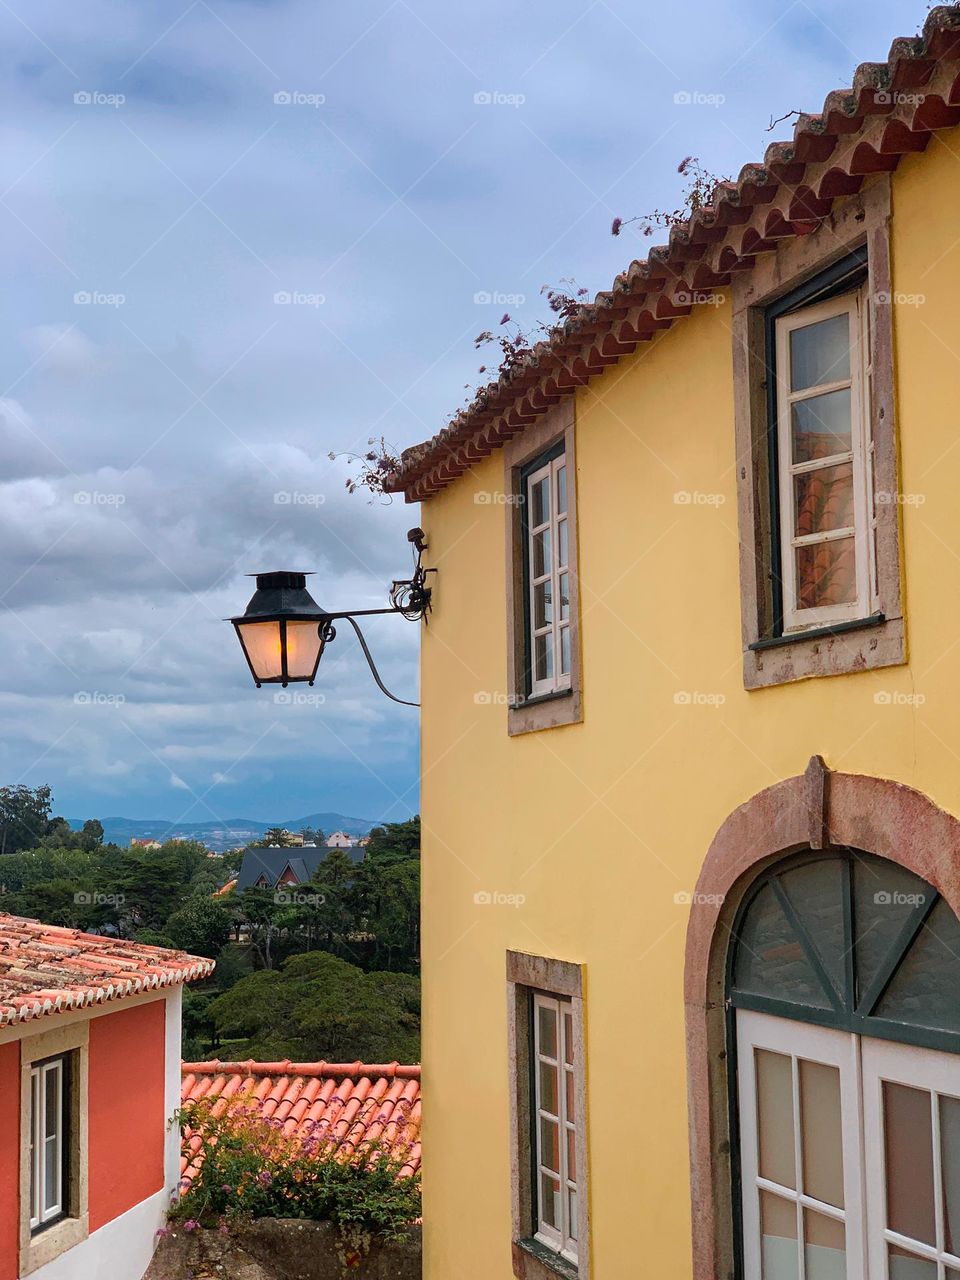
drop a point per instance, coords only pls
(261, 642)
(564, 651)
(51, 1173)
(825, 1247)
(571, 1097)
(564, 596)
(778, 1160)
(826, 573)
(572, 1214)
(543, 604)
(884, 895)
(543, 657)
(562, 547)
(547, 1031)
(821, 426)
(52, 1109)
(950, 1164)
(815, 890)
(924, 989)
(908, 1147)
(568, 1038)
(821, 1132)
(820, 353)
(540, 502)
(779, 1250)
(541, 553)
(907, 1266)
(550, 1144)
(550, 1201)
(571, 1155)
(824, 499)
(548, 1088)
(34, 1154)
(561, 490)
(770, 960)
(303, 645)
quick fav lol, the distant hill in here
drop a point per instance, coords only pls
(228, 834)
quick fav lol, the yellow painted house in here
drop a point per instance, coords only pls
(691, 740)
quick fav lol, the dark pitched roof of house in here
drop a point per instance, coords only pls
(891, 109)
(271, 863)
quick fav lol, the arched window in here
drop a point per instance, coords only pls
(843, 986)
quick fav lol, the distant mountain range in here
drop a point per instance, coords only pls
(229, 834)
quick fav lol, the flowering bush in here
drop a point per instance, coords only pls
(244, 1165)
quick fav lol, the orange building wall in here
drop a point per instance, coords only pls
(127, 1112)
(9, 1160)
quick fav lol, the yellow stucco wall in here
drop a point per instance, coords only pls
(600, 824)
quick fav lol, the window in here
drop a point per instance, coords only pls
(547, 562)
(842, 984)
(816, 451)
(823, 456)
(555, 1130)
(49, 1129)
(550, 1210)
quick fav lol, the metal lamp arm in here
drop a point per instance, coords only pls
(370, 662)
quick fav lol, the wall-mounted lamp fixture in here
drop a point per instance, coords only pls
(283, 631)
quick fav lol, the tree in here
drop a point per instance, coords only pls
(91, 834)
(201, 926)
(311, 835)
(24, 817)
(317, 1006)
(274, 835)
(395, 840)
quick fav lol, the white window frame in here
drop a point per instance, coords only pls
(43, 1211)
(555, 629)
(562, 1241)
(860, 455)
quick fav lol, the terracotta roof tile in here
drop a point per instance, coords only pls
(892, 108)
(348, 1103)
(47, 969)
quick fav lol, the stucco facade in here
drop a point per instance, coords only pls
(603, 825)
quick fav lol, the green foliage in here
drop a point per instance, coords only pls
(24, 817)
(317, 1006)
(201, 926)
(396, 841)
(250, 1168)
(275, 835)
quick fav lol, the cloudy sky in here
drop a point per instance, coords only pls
(169, 169)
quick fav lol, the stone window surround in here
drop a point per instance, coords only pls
(860, 219)
(37, 1250)
(526, 715)
(525, 974)
(818, 809)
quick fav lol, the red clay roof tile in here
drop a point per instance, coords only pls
(46, 968)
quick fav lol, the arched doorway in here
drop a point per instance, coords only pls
(791, 954)
(844, 996)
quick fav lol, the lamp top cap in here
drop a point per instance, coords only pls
(281, 595)
(284, 578)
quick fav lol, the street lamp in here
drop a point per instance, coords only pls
(283, 631)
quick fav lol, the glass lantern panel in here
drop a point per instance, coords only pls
(303, 649)
(261, 641)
